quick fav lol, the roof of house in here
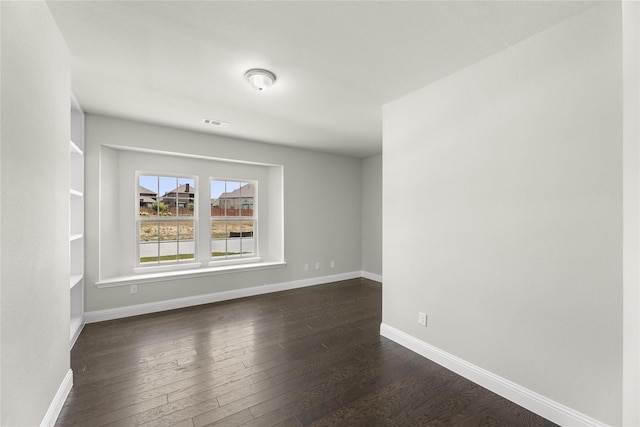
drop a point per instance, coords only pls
(145, 199)
(142, 190)
(246, 190)
(182, 189)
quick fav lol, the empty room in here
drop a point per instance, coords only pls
(319, 213)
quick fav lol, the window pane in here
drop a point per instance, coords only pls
(186, 207)
(231, 198)
(239, 232)
(148, 194)
(234, 228)
(186, 244)
(246, 196)
(149, 182)
(148, 241)
(240, 229)
(148, 231)
(186, 230)
(218, 229)
(248, 246)
(247, 228)
(218, 247)
(217, 189)
(169, 251)
(185, 197)
(248, 241)
(184, 181)
(149, 252)
(218, 238)
(170, 206)
(156, 208)
(168, 231)
(168, 186)
(187, 250)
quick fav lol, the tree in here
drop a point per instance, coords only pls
(159, 207)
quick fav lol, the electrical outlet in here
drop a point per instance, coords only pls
(306, 267)
(422, 318)
(133, 289)
(333, 264)
(317, 266)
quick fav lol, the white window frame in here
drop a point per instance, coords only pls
(166, 265)
(240, 258)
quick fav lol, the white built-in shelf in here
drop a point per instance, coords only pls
(76, 221)
(74, 280)
(74, 149)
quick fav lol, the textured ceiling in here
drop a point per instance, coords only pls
(337, 63)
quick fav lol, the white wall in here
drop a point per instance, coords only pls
(0, 215)
(372, 215)
(322, 209)
(502, 215)
(35, 212)
(631, 218)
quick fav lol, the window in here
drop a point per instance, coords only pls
(166, 220)
(233, 219)
(141, 243)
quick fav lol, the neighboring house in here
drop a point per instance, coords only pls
(147, 197)
(242, 198)
(181, 196)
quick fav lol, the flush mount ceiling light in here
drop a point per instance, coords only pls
(260, 79)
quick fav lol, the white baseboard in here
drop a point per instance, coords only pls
(528, 399)
(51, 416)
(172, 304)
(76, 333)
(371, 276)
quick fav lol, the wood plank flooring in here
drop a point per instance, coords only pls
(305, 357)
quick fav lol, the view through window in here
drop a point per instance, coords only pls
(166, 219)
(233, 219)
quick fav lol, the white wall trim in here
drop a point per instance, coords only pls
(371, 276)
(153, 307)
(631, 214)
(76, 333)
(188, 155)
(184, 274)
(51, 416)
(526, 398)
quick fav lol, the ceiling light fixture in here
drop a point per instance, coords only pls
(260, 79)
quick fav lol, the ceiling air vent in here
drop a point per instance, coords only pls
(215, 123)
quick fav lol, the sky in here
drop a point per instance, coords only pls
(163, 184)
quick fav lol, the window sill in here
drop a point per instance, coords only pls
(184, 274)
(234, 261)
(166, 268)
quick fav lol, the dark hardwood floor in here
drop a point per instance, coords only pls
(305, 357)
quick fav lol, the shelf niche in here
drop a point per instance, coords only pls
(76, 222)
